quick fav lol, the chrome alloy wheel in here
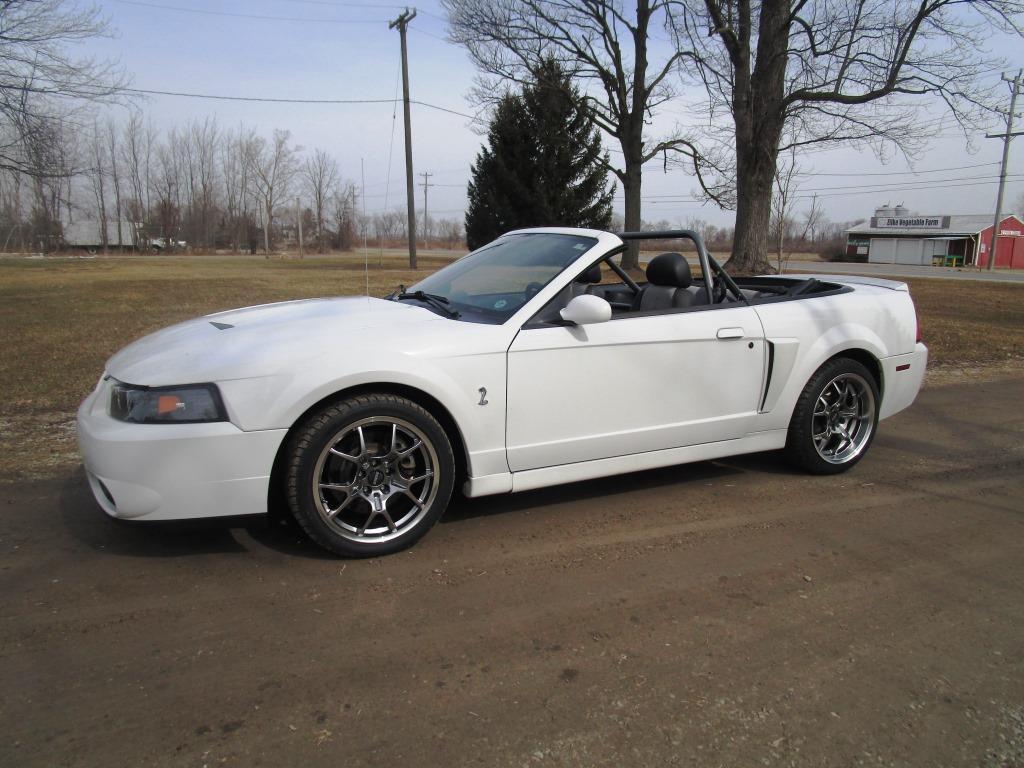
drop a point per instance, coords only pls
(843, 418)
(375, 479)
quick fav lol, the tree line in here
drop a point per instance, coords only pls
(199, 184)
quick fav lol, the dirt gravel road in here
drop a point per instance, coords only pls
(725, 614)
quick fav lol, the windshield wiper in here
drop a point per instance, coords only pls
(440, 303)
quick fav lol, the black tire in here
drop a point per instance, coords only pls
(318, 452)
(814, 415)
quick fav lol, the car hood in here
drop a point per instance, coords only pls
(271, 338)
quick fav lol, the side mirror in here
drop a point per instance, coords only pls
(587, 309)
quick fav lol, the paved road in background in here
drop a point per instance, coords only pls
(906, 270)
(727, 613)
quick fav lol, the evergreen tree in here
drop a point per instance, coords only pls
(542, 164)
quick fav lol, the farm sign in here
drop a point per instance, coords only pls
(910, 222)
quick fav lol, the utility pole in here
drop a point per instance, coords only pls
(426, 222)
(298, 221)
(1006, 137)
(410, 200)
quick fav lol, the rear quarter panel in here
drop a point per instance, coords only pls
(807, 332)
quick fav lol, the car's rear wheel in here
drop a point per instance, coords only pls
(369, 475)
(835, 418)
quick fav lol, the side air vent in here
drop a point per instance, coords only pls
(768, 375)
(221, 326)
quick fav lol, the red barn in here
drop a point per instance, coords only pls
(1009, 246)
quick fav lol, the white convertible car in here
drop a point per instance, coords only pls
(533, 361)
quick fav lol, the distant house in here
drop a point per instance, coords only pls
(88, 234)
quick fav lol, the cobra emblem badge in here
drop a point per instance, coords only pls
(483, 396)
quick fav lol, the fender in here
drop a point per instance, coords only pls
(834, 341)
(278, 402)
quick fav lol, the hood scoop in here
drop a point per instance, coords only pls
(221, 326)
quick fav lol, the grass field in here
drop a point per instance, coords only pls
(62, 319)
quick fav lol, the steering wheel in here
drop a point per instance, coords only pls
(531, 290)
(718, 290)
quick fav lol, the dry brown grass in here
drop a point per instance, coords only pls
(970, 324)
(63, 318)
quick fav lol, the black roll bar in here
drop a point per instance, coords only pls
(623, 275)
(681, 234)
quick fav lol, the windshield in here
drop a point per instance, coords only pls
(494, 281)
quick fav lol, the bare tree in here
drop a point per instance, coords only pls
(1019, 207)
(451, 232)
(200, 144)
(786, 185)
(320, 176)
(600, 45)
(51, 155)
(41, 79)
(389, 225)
(346, 218)
(137, 141)
(273, 165)
(97, 175)
(791, 73)
(814, 221)
(167, 184)
(700, 226)
(115, 181)
(239, 188)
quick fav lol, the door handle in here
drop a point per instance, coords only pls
(730, 333)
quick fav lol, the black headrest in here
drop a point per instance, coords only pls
(591, 275)
(670, 270)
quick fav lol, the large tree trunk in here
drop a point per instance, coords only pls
(753, 213)
(759, 112)
(631, 185)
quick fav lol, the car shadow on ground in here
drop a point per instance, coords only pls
(463, 508)
(84, 521)
(88, 524)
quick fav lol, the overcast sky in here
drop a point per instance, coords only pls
(330, 49)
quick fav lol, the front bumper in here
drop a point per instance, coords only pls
(173, 471)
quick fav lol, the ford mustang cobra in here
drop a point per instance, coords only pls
(532, 361)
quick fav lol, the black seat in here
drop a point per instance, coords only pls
(583, 282)
(668, 277)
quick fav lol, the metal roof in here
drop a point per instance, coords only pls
(963, 225)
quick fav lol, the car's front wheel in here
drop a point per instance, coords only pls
(369, 475)
(834, 421)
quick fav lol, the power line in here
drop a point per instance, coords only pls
(900, 173)
(1017, 178)
(271, 99)
(205, 12)
(336, 4)
(876, 187)
(421, 31)
(883, 186)
(276, 100)
(907, 189)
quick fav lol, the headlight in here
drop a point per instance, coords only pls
(166, 405)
